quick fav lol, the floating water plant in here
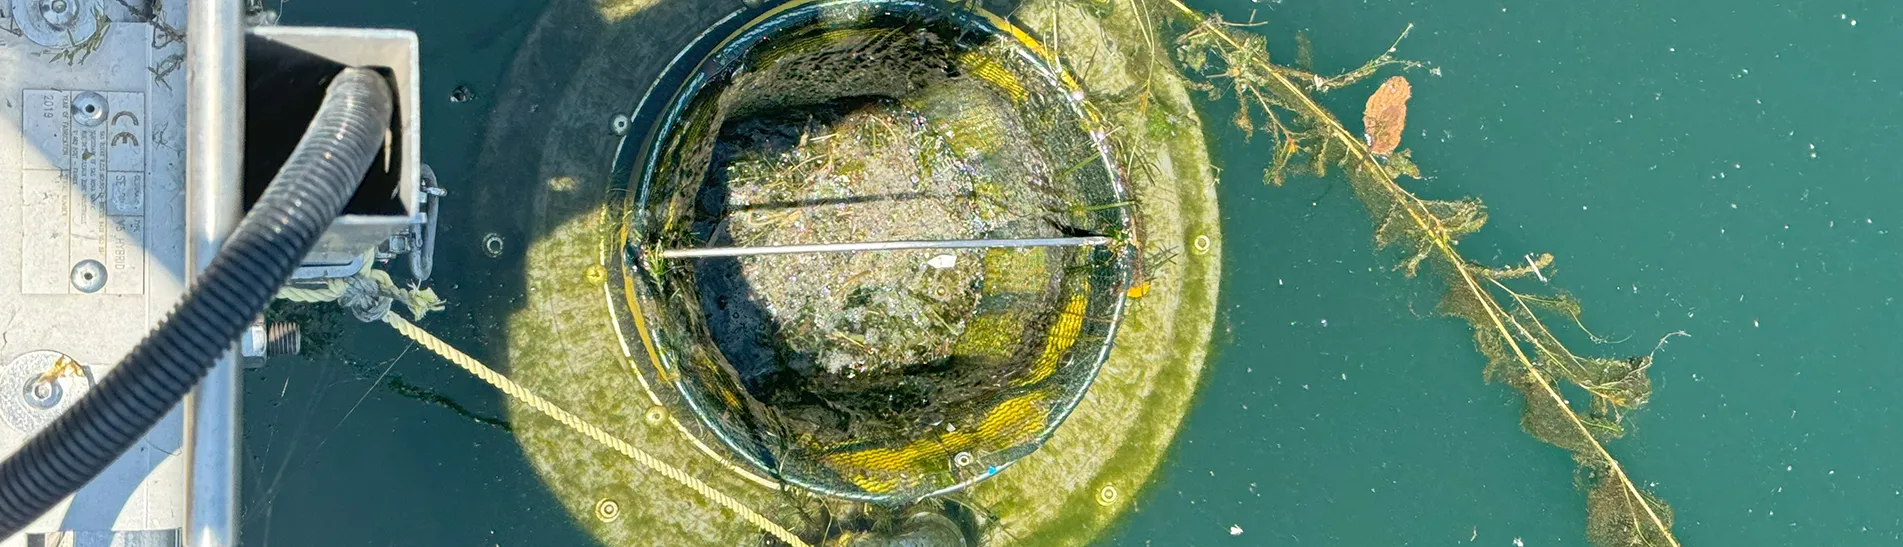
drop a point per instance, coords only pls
(1509, 325)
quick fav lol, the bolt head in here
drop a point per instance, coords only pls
(89, 276)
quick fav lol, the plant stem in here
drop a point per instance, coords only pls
(1438, 235)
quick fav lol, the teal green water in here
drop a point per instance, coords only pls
(1661, 150)
(334, 455)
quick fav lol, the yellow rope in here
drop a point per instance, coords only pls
(574, 422)
(333, 289)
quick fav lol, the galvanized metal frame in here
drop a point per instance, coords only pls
(350, 235)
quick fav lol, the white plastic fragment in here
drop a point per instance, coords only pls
(942, 261)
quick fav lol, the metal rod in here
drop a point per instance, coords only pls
(214, 167)
(710, 252)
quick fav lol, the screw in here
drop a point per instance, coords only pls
(45, 393)
(274, 339)
(89, 276)
(607, 510)
(282, 338)
(492, 245)
(89, 109)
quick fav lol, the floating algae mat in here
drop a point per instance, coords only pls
(979, 354)
(882, 376)
(830, 338)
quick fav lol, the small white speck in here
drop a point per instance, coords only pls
(1853, 22)
(1304, 386)
(1671, 49)
(1517, 542)
(1832, 472)
(1344, 375)
(1754, 323)
(1324, 322)
(1278, 282)
(1787, 468)
(1235, 530)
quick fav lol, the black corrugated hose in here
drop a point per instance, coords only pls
(300, 203)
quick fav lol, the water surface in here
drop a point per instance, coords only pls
(1717, 167)
(1664, 152)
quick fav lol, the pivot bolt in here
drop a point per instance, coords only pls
(274, 339)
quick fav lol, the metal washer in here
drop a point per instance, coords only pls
(17, 406)
(57, 24)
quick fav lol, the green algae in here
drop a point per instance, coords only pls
(562, 344)
(1102, 459)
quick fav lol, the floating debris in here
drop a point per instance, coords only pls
(1510, 326)
(1386, 115)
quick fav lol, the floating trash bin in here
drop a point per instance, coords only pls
(884, 376)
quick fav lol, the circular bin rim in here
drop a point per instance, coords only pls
(707, 56)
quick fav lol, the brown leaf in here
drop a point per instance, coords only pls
(1386, 115)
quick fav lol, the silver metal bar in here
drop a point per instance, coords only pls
(214, 193)
(709, 252)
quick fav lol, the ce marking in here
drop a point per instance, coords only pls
(125, 136)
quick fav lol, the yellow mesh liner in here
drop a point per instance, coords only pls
(990, 70)
(1013, 422)
(1063, 335)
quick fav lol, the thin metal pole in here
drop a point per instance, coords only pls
(709, 252)
(214, 165)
